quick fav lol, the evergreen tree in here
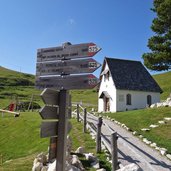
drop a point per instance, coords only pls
(160, 44)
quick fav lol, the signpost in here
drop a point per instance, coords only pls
(67, 67)
(67, 82)
(67, 51)
(54, 69)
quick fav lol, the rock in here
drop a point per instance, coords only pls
(161, 122)
(80, 150)
(134, 133)
(165, 104)
(169, 104)
(95, 164)
(153, 106)
(141, 136)
(168, 156)
(154, 145)
(162, 152)
(159, 104)
(102, 169)
(44, 168)
(145, 129)
(167, 119)
(73, 168)
(76, 162)
(168, 99)
(52, 166)
(157, 148)
(146, 141)
(90, 157)
(42, 158)
(130, 167)
(154, 126)
(37, 166)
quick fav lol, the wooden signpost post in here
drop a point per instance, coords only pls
(54, 69)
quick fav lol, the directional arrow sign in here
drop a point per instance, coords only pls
(49, 112)
(50, 96)
(67, 67)
(67, 52)
(49, 129)
(67, 82)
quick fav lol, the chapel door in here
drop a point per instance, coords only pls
(106, 104)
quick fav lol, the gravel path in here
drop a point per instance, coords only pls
(132, 150)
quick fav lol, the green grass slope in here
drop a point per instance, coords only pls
(138, 119)
(164, 80)
(20, 142)
(15, 85)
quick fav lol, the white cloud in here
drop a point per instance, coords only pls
(71, 21)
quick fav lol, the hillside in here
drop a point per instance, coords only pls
(164, 80)
(21, 86)
(15, 86)
(18, 84)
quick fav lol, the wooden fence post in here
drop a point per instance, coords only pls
(85, 120)
(78, 117)
(98, 136)
(114, 151)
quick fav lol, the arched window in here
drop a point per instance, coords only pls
(149, 100)
(128, 99)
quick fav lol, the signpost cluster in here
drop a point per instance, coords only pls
(59, 70)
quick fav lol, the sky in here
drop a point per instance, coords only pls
(120, 27)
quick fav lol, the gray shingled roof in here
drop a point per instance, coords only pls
(131, 75)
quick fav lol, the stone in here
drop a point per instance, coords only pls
(154, 145)
(162, 152)
(52, 166)
(159, 104)
(90, 157)
(102, 169)
(169, 103)
(157, 148)
(37, 166)
(154, 126)
(146, 141)
(165, 104)
(167, 119)
(134, 133)
(153, 106)
(44, 168)
(168, 156)
(42, 158)
(168, 99)
(141, 136)
(161, 122)
(80, 150)
(145, 129)
(76, 162)
(130, 167)
(95, 164)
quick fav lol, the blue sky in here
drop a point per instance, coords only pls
(120, 27)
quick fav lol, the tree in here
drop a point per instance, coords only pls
(160, 44)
